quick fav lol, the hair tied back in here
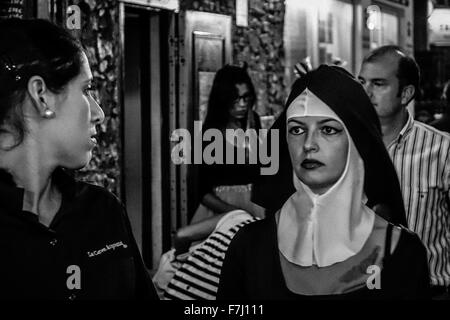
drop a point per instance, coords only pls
(9, 67)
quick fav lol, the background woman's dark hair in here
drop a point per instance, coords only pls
(223, 93)
(28, 48)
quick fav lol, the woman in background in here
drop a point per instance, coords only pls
(60, 238)
(225, 187)
(192, 271)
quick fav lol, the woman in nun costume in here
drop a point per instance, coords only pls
(339, 233)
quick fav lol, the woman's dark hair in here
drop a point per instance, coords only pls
(28, 48)
(224, 93)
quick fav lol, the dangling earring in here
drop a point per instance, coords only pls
(48, 114)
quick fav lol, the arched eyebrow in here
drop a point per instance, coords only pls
(328, 120)
(296, 121)
(320, 122)
(372, 80)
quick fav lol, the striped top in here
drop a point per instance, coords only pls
(421, 156)
(198, 277)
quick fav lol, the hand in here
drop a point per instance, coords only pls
(181, 244)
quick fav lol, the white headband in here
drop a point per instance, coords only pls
(308, 104)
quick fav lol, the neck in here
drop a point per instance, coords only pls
(392, 126)
(318, 191)
(28, 166)
(235, 124)
(312, 191)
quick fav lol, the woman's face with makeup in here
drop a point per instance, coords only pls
(239, 109)
(318, 148)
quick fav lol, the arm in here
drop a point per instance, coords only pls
(144, 288)
(197, 231)
(216, 204)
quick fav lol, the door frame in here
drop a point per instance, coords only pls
(155, 225)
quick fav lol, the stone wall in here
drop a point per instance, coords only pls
(260, 45)
(223, 6)
(12, 9)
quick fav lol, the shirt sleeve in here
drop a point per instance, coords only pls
(144, 285)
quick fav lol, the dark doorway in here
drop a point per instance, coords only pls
(145, 88)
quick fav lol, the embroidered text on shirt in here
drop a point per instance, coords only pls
(107, 248)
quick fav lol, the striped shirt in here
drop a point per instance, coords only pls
(421, 156)
(198, 277)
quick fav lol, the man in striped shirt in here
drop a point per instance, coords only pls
(420, 153)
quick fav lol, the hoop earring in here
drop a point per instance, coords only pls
(48, 114)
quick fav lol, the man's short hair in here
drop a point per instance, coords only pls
(408, 72)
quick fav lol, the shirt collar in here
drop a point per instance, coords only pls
(404, 132)
(11, 196)
(406, 128)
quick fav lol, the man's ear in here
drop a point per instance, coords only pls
(407, 94)
(43, 99)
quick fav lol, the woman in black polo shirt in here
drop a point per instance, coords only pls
(59, 238)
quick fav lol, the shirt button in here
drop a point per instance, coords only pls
(54, 242)
(72, 297)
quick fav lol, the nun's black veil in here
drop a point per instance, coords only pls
(347, 98)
